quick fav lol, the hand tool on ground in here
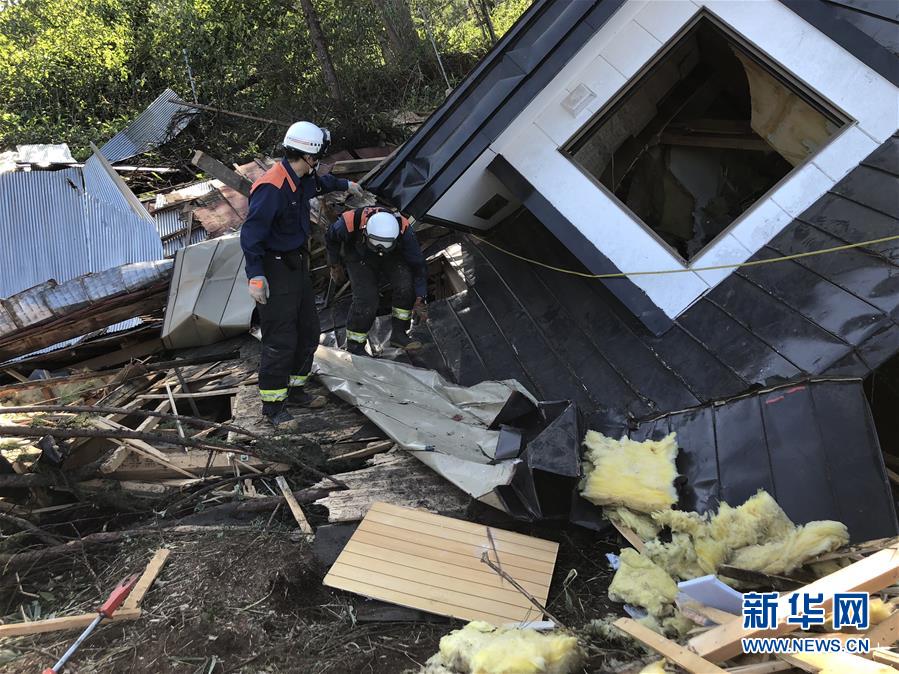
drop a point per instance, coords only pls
(110, 606)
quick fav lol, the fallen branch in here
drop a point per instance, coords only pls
(256, 505)
(527, 595)
(33, 529)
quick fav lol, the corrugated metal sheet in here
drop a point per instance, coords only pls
(173, 245)
(170, 224)
(102, 181)
(52, 228)
(158, 124)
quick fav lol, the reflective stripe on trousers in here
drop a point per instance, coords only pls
(298, 380)
(273, 395)
(357, 336)
(402, 314)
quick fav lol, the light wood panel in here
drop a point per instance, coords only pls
(433, 563)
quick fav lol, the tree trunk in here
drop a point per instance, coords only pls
(397, 19)
(321, 50)
(486, 9)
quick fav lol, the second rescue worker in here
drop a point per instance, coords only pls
(273, 239)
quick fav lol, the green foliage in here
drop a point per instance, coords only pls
(77, 72)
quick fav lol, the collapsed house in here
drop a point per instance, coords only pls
(600, 143)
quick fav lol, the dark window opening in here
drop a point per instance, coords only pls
(491, 207)
(701, 136)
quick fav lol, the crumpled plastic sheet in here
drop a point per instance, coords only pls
(442, 424)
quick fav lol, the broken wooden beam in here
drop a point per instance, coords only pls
(679, 655)
(294, 506)
(146, 580)
(72, 622)
(219, 171)
(870, 574)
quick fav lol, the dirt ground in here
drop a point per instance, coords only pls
(250, 599)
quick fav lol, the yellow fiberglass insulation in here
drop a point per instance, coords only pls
(678, 557)
(681, 521)
(640, 524)
(759, 519)
(801, 544)
(481, 648)
(641, 582)
(657, 667)
(637, 475)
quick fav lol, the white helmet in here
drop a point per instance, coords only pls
(381, 231)
(308, 138)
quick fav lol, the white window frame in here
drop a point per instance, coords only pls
(621, 51)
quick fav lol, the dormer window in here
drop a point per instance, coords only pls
(707, 130)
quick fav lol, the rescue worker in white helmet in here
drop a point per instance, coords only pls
(274, 241)
(374, 243)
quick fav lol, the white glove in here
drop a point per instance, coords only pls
(258, 288)
(355, 189)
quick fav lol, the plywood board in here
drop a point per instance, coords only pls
(425, 561)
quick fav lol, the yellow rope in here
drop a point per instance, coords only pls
(754, 263)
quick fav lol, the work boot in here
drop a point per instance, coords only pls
(399, 335)
(356, 348)
(277, 415)
(300, 397)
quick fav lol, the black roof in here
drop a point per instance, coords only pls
(536, 48)
(567, 337)
(521, 63)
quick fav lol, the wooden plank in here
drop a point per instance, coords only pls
(674, 652)
(219, 171)
(425, 567)
(72, 622)
(198, 394)
(867, 575)
(116, 459)
(448, 556)
(886, 657)
(413, 601)
(835, 662)
(154, 566)
(365, 452)
(138, 467)
(631, 537)
(886, 632)
(435, 592)
(469, 527)
(294, 506)
(452, 534)
(123, 355)
(511, 560)
(15, 374)
(769, 667)
(444, 568)
(368, 570)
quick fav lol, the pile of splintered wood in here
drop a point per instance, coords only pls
(144, 438)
